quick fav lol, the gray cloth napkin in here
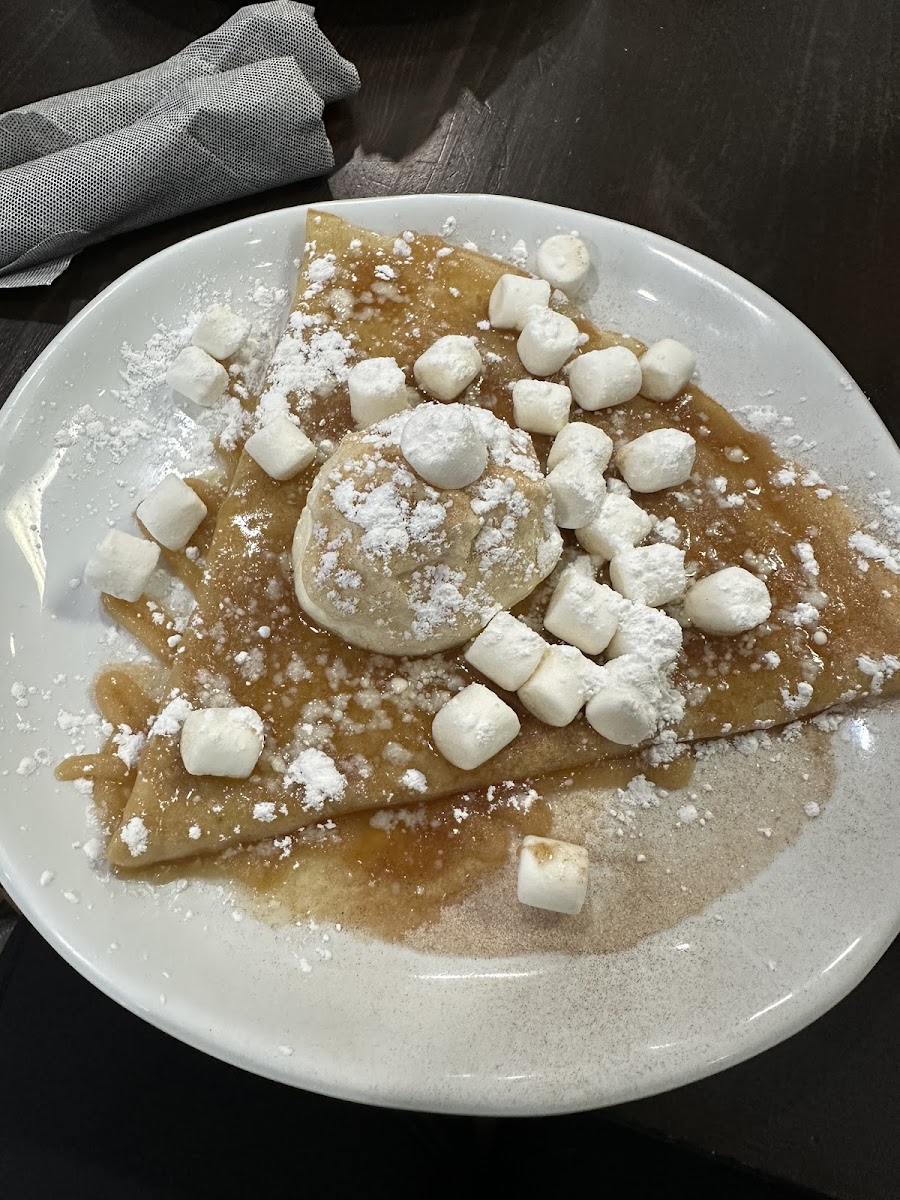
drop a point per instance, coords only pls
(238, 111)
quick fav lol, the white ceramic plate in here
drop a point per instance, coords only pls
(535, 1034)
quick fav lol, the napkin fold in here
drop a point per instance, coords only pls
(236, 112)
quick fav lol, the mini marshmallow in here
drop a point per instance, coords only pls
(580, 437)
(552, 875)
(513, 298)
(196, 375)
(226, 742)
(473, 726)
(620, 525)
(377, 390)
(547, 340)
(728, 602)
(666, 369)
(558, 689)
(646, 633)
(563, 260)
(603, 378)
(578, 490)
(448, 366)
(221, 332)
(281, 448)
(622, 714)
(121, 565)
(506, 651)
(171, 513)
(540, 406)
(652, 575)
(662, 458)
(582, 612)
(442, 445)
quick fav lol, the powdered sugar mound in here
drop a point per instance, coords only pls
(518, 254)
(319, 271)
(800, 699)
(807, 557)
(878, 669)
(641, 793)
(869, 547)
(415, 781)
(134, 834)
(318, 775)
(170, 719)
(129, 745)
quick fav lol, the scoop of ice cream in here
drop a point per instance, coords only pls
(395, 565)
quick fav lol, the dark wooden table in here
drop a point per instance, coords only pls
(763, 134)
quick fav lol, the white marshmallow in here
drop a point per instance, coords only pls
(728, 602)
(506, 651)
(547, 340)
(620, 525)
(552, 875)
(558, 689)
(377, 389)
(651, 575)
(666, 369)
(442, 445)
(513, 298)
(603, 378)
(196, 375)
(281, 448)
(580, 437)
(121, 565)
(646, 633)
(221, 741)
(662, 458)
(622, 714)
(632, 697)
(540, 406)
(578, 489)
(564, 261)
(448, 366)
(221, 332)
(171, 513)
(474, 726)
(582, 612)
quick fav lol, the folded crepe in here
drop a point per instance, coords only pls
(348, 729)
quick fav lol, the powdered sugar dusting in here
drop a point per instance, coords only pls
(134, 835)
(317, 773)
(311, 359)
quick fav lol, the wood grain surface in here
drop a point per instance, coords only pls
(761, 133)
